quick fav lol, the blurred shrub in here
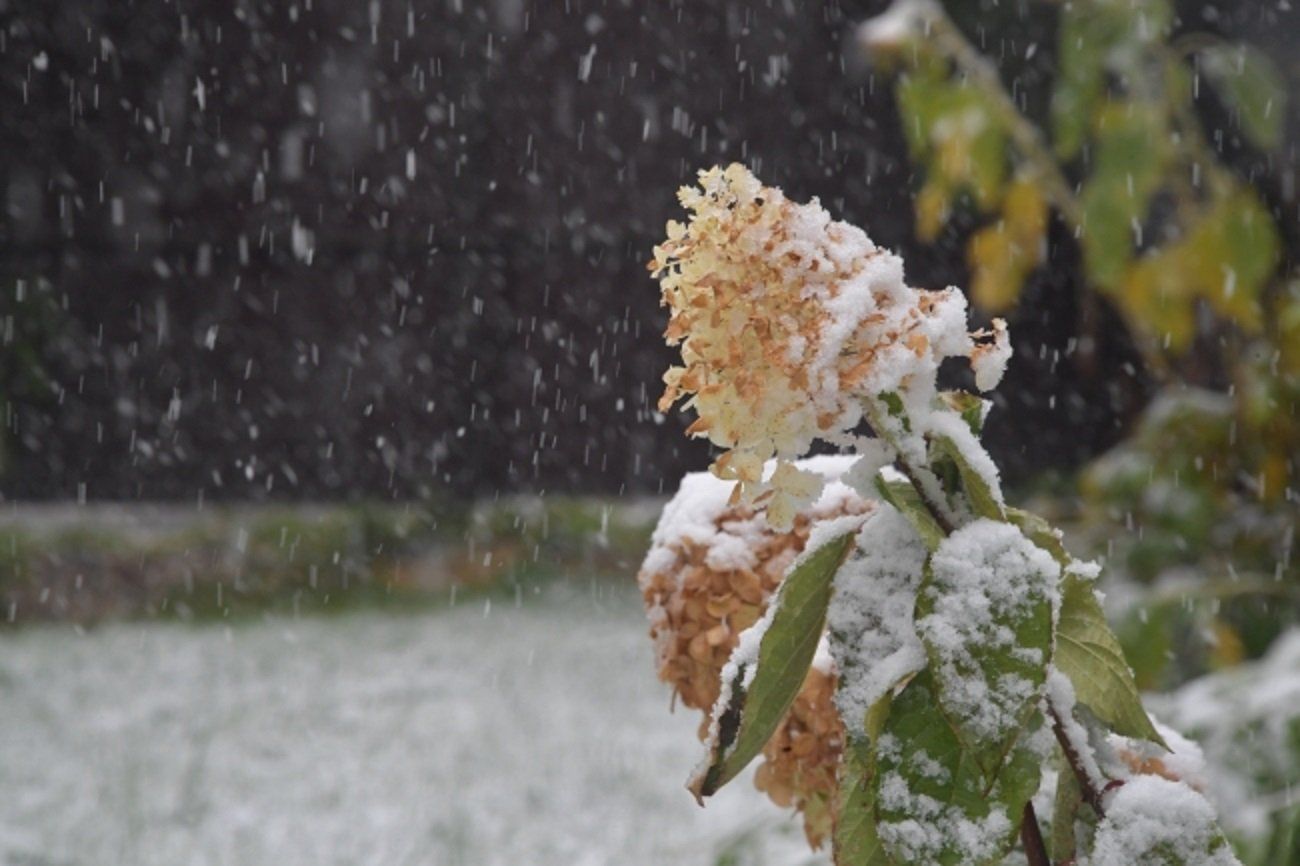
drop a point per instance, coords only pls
(220, 563)
(1182, 246)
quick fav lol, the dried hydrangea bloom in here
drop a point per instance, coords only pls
(709, 574)
(788, 321)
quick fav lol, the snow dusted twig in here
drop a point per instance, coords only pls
(1091, 794)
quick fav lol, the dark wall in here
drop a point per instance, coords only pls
(266, 248)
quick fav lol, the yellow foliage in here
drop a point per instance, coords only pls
(932, 205)
(1224, 259)
(1001, 256)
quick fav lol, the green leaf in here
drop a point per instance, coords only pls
(1088, 34)
(856, 842)
(1132, 152)
(1251, 245)
(983, 500)
(903, 496)
(1250, 84)
(926, 780)
(1088, 652)
(984, 614)
(785, 653)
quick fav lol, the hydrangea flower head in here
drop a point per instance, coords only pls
(787, 321)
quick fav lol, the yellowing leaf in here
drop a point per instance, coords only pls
(995, 278)
(1001, 256)
(1157, 298)
(1025, 211)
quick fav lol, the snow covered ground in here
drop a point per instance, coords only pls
(476, 735)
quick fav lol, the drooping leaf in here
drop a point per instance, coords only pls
(984, 614)
(869, 625)
(1088, 652)
(1251, 85)
(903, 496)
(785, 652)
(934, 803)
(856, 842)
(1154, 821)
(933, 207)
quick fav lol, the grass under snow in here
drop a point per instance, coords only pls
(482, 734)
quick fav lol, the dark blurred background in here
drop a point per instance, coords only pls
(353, 250)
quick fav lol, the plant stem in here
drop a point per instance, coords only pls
(1091, 795)
(1031, 837)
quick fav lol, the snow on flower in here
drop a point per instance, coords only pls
(710, 572)
(787, 322)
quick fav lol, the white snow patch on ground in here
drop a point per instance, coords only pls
(517, 736)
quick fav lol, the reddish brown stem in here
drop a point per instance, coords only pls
(1091, 795)
(1031, 837)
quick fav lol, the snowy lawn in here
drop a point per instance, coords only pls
(478, 735)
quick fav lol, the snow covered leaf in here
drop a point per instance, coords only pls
(870, 625)
(1088, 652)
(761, 682)
(985, 617)
(1250, 83)
(1155, 821)
(903, 496)
(856, 842)
(982, 492)
(935, 805)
